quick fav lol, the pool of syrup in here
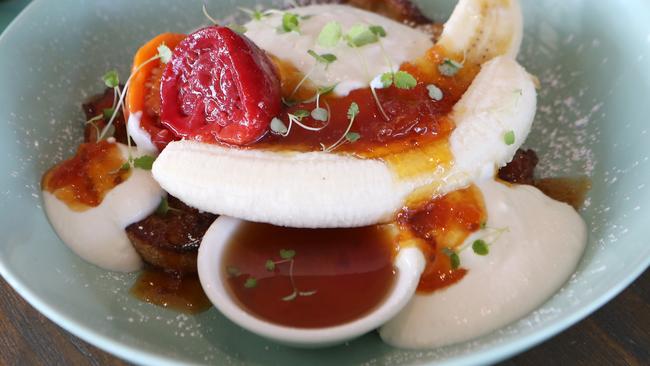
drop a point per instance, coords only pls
(319, 277)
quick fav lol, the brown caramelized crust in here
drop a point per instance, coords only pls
(521, 170)
(95, 107)
(171, 240)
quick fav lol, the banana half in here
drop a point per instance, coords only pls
(320, 190)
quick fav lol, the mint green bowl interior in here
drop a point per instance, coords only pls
(592, 57)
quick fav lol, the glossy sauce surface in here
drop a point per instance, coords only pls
(171, 290)
(570, 190)
(438, 226)
(417, 126)
(339, 274)
(82, 181)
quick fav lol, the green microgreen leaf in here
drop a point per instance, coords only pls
(386, 79)
(291, 296)
(360, 35)
(287, 253)
(251, 282)
(270, 265)
(453, 257)
(353, 110)
(320, 114)
(307, 293)
(126, 166)
(144, 162)
(325, 58)
(164, 53)
(449, 67)
(378, 30)
(352, 136)
(301, 113)
(233, 271)
(330, 35)
(163, 206)
(290, 22)
(509, 137)
(404, 80)
(107, 113)
(111, 79)
(278, 126)
(434, 92)
(480, 247)
(237, 28)
(455, 260)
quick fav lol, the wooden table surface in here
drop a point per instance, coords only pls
(617, 334)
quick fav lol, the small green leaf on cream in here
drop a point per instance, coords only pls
(360, 35)
(480, 247)
(144, 162)
(330, 35)
(509, 137)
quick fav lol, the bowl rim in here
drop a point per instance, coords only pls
(134, 354)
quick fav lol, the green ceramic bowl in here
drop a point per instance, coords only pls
(592, 57)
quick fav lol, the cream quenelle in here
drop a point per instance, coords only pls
(97, 233)
(355, 67)
(535, 244)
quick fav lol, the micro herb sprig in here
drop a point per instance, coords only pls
(144, 162)
(290, 23)
(449, 67)
(164, 55)
(479, 246)
(253, 13)
(401, 80)
(278, 127)
(112, 80)
(287, 256)
(454, 259)
(360, 35)
(330, 35)
(347, 136)
(164, 207)
(204, 8)
(321, 59)
(325, 58)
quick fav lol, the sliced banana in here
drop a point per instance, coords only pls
(483, 29)
(319, 189)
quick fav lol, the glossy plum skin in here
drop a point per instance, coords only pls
(219, 87)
